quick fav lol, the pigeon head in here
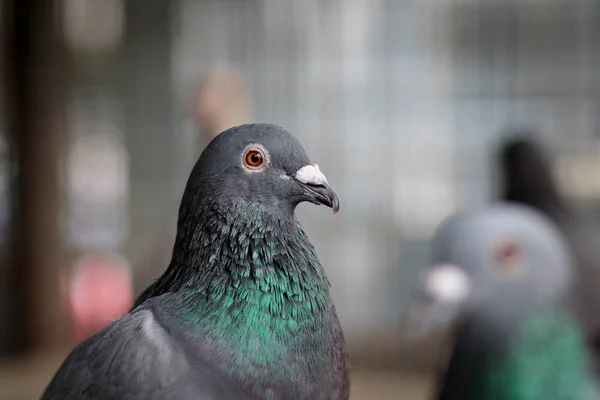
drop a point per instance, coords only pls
(524, 155)
(526, 171)
(258, 164)
(502, 263)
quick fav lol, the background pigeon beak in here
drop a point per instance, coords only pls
(437, 300)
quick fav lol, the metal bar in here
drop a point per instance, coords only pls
(36, 121)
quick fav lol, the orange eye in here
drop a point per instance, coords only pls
(507, 253)
(508, 257)
(254, 159)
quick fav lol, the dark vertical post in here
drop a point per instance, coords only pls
(36, 99)
(5, 161)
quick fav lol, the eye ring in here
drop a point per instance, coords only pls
(254, 158)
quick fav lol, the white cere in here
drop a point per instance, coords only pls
(448, 284)
(311, 174)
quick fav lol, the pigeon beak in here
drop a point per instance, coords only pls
(441, 292)
(447, 284)
(314, 182)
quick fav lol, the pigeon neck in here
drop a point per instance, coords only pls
(249, 295)
(545, 347)
(245, 254)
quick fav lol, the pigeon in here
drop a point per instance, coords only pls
(244, 309)
(526, 176)
(527, 179)
(501, 274)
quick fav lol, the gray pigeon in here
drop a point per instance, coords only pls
(501, 274)
(244, 309)
(527, 178)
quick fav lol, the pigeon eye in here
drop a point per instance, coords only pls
(254, 159)
(508, 258)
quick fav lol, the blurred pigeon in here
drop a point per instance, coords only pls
(244, 309)
(527, 179)
(503, 273)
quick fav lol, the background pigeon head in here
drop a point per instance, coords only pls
(527, 175)
(522, 152)
(499, 264)
(258, 164)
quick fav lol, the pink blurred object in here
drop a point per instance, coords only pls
(100, 290)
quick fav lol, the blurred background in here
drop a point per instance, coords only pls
(106, 105)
